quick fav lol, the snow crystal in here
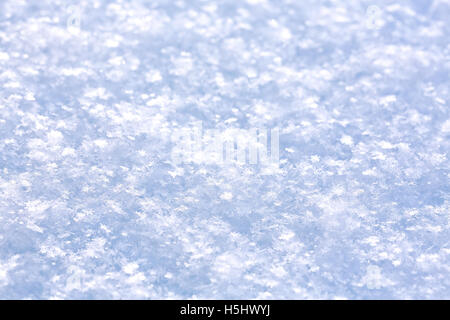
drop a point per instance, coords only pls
(93, 206)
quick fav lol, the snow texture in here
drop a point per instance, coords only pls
(92, 207)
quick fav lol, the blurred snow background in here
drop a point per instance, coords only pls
(91, 206)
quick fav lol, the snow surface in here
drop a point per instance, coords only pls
(92, 206)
